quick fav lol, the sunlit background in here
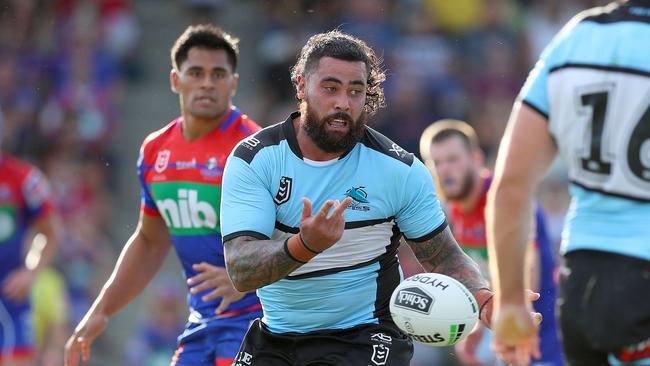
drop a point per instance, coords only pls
(82, 82)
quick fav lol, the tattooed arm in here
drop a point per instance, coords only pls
(254, 263)
(442, 254)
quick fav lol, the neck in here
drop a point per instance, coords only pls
(307, 146)
(197, 127)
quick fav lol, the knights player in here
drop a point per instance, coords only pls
(25, 209)
(451, 148)
(180, 169)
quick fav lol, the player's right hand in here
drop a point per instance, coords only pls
(321, 231)
(83, 336)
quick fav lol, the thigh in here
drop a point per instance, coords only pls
(370, 344)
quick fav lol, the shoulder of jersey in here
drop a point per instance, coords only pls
(248, 125)
(250, 146)
(17, 168)
(159, 135)
(374, 140)
(612, 13)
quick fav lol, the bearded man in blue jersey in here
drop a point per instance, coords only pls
(313, 211)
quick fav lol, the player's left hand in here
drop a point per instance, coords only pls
(516, 329)
(18, 284)
(466, 349)
(213, 277)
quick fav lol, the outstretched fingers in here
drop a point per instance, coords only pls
(306, 208)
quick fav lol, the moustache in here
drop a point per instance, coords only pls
(340, 115)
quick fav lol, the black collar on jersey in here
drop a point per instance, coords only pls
(638, 2)
(292, 140)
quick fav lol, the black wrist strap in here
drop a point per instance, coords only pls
(286, 250)
(307, 246)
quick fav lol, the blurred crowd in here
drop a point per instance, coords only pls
(66, 67)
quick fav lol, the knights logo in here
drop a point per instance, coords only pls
(379, 354)
(284, 191)
(162, 160)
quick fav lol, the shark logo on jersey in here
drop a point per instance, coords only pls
(359, 196)
(284, 191)
(162, 160)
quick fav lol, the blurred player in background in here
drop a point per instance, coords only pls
(180, 168)
(313, 212)
(451, 148)
(26, 218)
(588, 100)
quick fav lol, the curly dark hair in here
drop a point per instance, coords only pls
(205, 36)
(345, 47)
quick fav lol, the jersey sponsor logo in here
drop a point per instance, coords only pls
(212, 168)
(381, 337)
(186, 164)
(284, 191)
(379, 354)
(413, 298)
(7, 223)
(188, 208)
(35, 190)
(212, 163)
(162, 160)
(399, 152)
(359, 197)
(251, 143)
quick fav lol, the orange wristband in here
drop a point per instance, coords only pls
(297, 250)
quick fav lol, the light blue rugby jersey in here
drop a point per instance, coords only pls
(351, 282)
(592, 83)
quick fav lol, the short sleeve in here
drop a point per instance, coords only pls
(147, 204)
(247, 206)
(534, 93)
(421, 216)
(37, 195)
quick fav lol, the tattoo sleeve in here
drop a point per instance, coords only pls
(443, 255)
(254, 263)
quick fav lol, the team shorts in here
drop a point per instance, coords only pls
(604, 311)
(16, 340)
(214, 343)
(366, 344)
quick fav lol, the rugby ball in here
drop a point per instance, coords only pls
(434, 309)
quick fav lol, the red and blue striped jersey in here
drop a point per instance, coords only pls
(181, 181)
(24, 198)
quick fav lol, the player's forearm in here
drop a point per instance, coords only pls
(508, 226)
(253, 263)
(442, 254)
(138, 263)
(44, 245)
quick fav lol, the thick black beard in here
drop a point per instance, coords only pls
(332, 142)
(467, 187)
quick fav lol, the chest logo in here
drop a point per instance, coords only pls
(162, 160)
(284, 191)
(359, 197)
